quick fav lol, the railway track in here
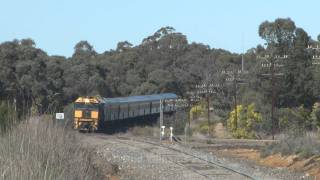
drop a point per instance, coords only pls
(202, 166)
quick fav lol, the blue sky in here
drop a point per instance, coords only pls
(57, 25)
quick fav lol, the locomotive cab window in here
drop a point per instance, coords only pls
(85, 106)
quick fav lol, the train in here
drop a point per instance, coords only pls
(96, 113)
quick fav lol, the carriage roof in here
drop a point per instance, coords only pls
(144, 98)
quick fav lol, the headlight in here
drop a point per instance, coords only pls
(94, 114)
(77, 114)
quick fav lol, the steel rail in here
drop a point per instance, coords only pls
(188, 154)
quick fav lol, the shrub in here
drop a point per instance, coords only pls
(68, 115)
(295, 121)
(315, 114)
(247, 118)
(305, 146)
(196, 110)
(7, 116)
(36, 149)
(204, 128)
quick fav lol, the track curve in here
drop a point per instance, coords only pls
(207, 168)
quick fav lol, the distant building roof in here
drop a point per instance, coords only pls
(133, 99)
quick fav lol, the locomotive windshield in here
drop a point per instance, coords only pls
(85, 106)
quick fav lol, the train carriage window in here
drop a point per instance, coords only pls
(141, 108)
(136, 109)
(145, 108)
(155, 106)
(129, 110)
(112, 117)
(150, 108)
(120, 115)
(133, 109)
(110, 112)
(123, 111)
(119, 112)
(114, 112)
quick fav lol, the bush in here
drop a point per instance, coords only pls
(304, 147)
(204, 128)
(36, 149)
(247, 119)
(295, 121)
(68, 115)
(7, 116)
(315, 114)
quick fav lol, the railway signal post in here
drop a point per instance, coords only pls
(161, 119)
(171, 134)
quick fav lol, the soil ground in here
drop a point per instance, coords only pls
(310, 166)
(222, 146)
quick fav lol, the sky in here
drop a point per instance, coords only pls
(57, 25)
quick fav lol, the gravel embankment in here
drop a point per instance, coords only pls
(134, 162)
(249, 167)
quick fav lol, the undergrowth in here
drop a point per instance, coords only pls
(38, 149)
(304, 146)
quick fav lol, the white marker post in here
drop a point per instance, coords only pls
(162, 132)
(171, 134)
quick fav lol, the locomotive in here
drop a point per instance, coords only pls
(95, 113)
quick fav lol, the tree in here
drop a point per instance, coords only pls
(278, 34)
(83, 51)
(284, 38)
(298, 76)
(83, 80)
(124, 45)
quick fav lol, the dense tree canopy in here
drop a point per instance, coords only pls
(163, 62)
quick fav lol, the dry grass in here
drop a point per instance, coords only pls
(304, 146)
(38, 149)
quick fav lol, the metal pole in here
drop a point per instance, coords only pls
(235, 100)
(189, 109)
(273, 98)
(161, 118)
(208, 109)
(242, 63)
(171, 134)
